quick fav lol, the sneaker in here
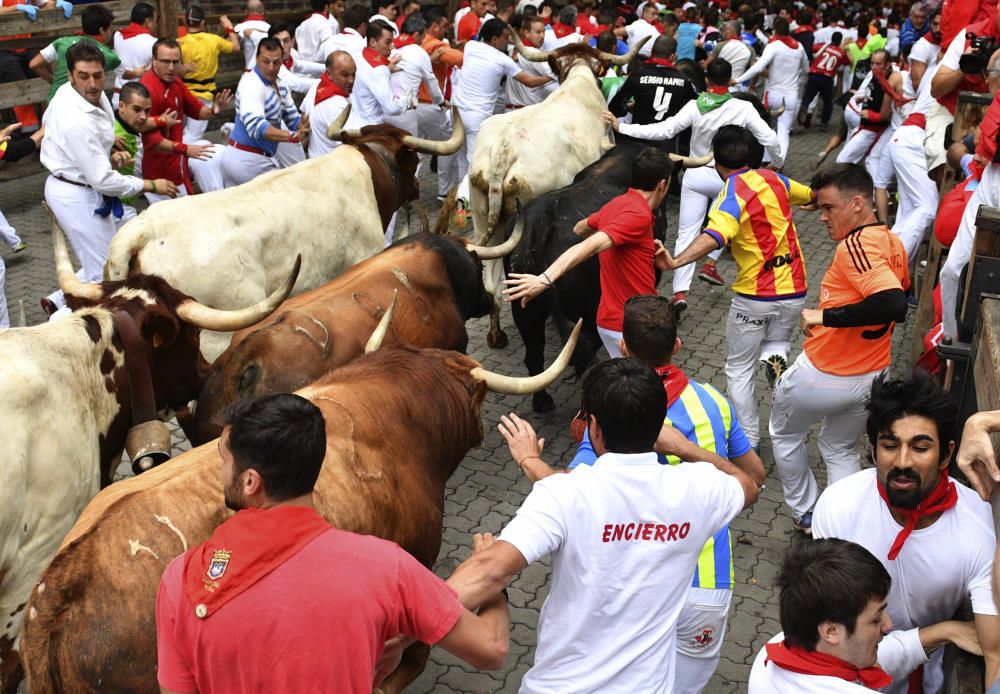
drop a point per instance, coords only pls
(808, 120)
(680, 303)
(774, 366)
(805, 523)
(19, 247)
(709, 273)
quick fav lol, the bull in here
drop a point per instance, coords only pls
(230, 247)
(533, 150)
(73, 391)
(441, 285)
(398, 422)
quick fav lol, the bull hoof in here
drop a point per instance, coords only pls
(542, 402)
(497, 339)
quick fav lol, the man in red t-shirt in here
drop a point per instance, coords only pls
(622, 232)
(278, 600)
(164, 153)
(825, 66)
(468, 25)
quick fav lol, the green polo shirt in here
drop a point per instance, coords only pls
(55, 53)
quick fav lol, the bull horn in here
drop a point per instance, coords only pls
(513, 385)
(200, 316)
(68, 281)
(533, 54)
(693, 162)
(624, 59)
(440, 147)
(375, 341)
(336, 131)
(494, 252)
(778, 111)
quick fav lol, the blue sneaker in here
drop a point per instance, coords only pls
(805, 523)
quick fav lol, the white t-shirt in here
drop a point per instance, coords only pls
(258, 30)
(899, 654)
(624, 536)
(937, 567)
(925, 52)
(320, 118)
(349, 41)
(522, 95)
(737, 54)
(310, 35)
(478, 87)
(637, 30)
(955, 49)
(784, 67)
(134, 52)
(414, 68)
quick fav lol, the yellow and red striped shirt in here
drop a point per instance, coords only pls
(753, 212)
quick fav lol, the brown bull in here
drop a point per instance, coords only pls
(440, 286)
(398, 422)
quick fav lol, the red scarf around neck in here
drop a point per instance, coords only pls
(245, 549)
(718, 90)
(662, 62)
(561, 30)
(134, 29)
(787, 40)
(804, 28)
(373, 57)
(805, 662)
(403, 40)
(326, 89)
(254, 17)
(674, 381)
(288, 62)
(899, 99)
(943, 497)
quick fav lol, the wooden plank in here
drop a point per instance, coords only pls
(924, 319)
(986, 244)
(987, 363)
(54, 22)
(33, 91)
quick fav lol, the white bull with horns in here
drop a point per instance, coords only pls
(539, 148)
(230, 247)
(75, 393)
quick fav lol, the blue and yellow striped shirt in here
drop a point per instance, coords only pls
(706, 418)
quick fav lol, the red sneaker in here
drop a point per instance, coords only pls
(710, 274)
(680, 303)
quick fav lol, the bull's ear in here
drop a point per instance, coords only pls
(159, 330)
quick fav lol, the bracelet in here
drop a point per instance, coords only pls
(293, 138)
(549, 282)
(180, 148)
(520, 463)
(153, 184)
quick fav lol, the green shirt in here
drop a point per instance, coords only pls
(55, 52)
(133, 145)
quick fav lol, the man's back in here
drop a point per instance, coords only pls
(658, 89)
(308, 620)
(624, 535)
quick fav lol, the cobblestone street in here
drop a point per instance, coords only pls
(487, 488)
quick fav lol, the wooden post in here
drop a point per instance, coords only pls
(169, 15)
(986, 245)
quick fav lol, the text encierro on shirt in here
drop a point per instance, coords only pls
(647, 532)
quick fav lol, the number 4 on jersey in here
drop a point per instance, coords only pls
(661, 102)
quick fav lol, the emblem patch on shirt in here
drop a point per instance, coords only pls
(705, 639)
(217, 567)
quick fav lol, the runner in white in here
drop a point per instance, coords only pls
(251, 30)
(413, 68)
(134, 45)
(328, 99)
(315, 29)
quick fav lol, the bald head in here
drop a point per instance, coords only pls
(340, 68)
(663, 47)
(255, 7)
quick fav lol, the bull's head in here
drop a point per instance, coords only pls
(155, 338)
(564, 58)
(391, 153)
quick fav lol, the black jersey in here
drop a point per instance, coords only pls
(656, 91)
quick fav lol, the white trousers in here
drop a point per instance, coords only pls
(89, 234)
(208, 173)
(918, 196)
(435, 124)
(701, 628)
(4, 315)
(154, 198)
(988, 193)
(755, 329)
(860, 147)
(852, 119)
(610, 339)
(239, 166)
(699, 187)
(786, 120)
(194, 129)
(7, 232)
(803, 396)
(464, 155)
(128, 214)
(289, 154)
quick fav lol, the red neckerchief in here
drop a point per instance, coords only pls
(561, 30)
(674, 381)
(860, 43)
(245, 549)
(659, 26)
(601, 28)
(662, 62)
(718, 90)
(899, 99)
(403, 40)
(252, 17)
(805, 27)
(787, 40)
(288, 62)
(805, 662)
(930, 37)
(943, 497)
(374, 58)
(134, 29)
(326, 89)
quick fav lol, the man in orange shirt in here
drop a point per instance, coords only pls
(848, 343)
(435, 121)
